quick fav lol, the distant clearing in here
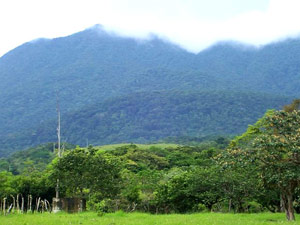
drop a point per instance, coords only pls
(140, 146)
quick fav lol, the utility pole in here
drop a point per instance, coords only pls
(58, 125)
(56, 200)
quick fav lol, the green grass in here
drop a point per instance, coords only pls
(140, 146)
(120, 218)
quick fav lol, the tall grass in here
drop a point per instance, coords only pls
(121, 218)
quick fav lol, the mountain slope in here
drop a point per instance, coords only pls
(83, 67)
(149, 117)
(93, 66)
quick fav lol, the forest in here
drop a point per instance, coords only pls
(103, 79)
(254, 172)
(152, 117)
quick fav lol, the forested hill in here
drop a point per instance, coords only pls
(93, 66)
(150, 117)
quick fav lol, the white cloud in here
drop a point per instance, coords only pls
(278, 21)
(195, 32)
(194, 24)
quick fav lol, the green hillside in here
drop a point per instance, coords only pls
(150, 117)
(97, 71)
(84, 68)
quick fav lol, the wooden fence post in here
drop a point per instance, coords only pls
(30, 203)
(22, 206)
(4, 207)
(38, 204)
(18, 205)
(14, 203)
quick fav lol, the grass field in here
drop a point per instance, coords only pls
(140, 146)
(121, 218)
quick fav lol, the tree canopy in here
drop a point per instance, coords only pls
(271, 148)
(83, 171)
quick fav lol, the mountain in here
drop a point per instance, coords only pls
(84, 68)
(94, 67)
(145, 117)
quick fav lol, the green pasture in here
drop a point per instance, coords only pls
(140, 146)
(121, 218)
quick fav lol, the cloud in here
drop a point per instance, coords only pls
(193, 24)
(195, 32)
(260, 27)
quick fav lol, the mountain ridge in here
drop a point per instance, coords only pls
(86, 68)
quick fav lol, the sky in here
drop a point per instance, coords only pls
(192, 24)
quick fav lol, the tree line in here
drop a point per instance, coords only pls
(257, 171)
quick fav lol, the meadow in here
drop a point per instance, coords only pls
(121, 218)
(140, 146)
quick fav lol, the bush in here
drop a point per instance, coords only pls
(201, 208)
(254, 207)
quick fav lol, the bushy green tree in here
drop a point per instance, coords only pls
(271, 149)
(88, 170)
(184, 190)
(277, 152)
(7, 187)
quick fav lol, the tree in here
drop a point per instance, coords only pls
(6, 185)
(239, 177)
(186, 189)
(277, 152)
(272, 148)
(82, 170)
(205, 185)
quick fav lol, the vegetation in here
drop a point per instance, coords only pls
(151, 117)
(279, 155)
(142, 218)
(33, 159)
(258, 172)
(270, 150)
(91, 67)
(116, 90)
(87, 169)
(140, 146)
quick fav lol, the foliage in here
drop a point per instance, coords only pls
(32, 159)
(278, 155)
(92, 218)
(154, 179)
(37, 185)
(278, 149)
(83, 170)
(150, 117)
(6, 184)
(92, 66)
(185, 191)
(270, 150)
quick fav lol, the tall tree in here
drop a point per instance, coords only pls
(272, 145)
(277, 151)
(87, 170)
